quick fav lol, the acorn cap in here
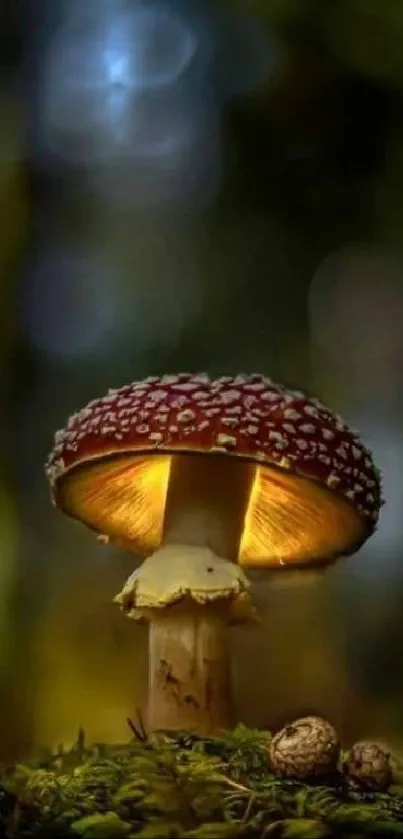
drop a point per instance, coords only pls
(315, 492)
(368, 765)
(307, 748)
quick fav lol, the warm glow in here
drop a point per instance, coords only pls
(294, 521)
(123, 498)
(289, 520)
(80, 650)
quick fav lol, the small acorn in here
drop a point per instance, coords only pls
(368, 767)
(306, 749)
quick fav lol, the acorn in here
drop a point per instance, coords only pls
(306, 749)
(368, 767)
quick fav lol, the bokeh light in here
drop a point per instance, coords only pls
(175, 157)
(70, 305)
(355, 308)
(126, 94)
(102, 57)
(381, 557)
(77, 304)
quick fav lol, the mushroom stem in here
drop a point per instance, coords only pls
(189, 590)
(189, 678)
(189, 597)
(206, 502)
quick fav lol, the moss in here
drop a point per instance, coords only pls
(183, 786)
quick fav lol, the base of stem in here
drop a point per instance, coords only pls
(189, 676)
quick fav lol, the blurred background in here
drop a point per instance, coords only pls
(197, 185)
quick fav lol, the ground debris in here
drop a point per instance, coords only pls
(168, 787)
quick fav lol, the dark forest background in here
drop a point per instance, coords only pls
(197, 186)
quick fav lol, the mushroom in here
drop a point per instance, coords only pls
(205, 478)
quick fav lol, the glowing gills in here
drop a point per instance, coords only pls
(287, 519)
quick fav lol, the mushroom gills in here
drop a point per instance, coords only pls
(261, 516)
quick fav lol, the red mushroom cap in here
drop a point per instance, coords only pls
(246, 417)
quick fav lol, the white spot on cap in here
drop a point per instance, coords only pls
(186, 386)
(223, 380)
(106, 430)
(292, 414)
(311, 411)
(157, 395)
(270, 396)
(143, 428)
(179, 401)
(226, 440)
(256, 386)
(232, 422)
(307, 428)
(186, 416)
(249, 401)
(357, 453)
(279, 441)
(228, 396)
(290, 428)
(201, 378)
(327, 433)
(332, 481)
(324, 458)
(169, 380)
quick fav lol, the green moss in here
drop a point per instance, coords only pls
(198, 788)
